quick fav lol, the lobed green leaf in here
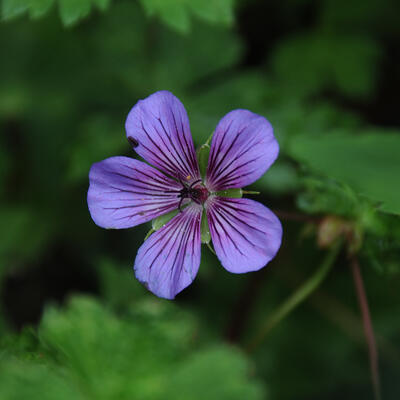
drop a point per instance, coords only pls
(174, 13)
(368, 163)
(89, 353)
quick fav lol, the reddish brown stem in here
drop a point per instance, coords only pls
(368, 329)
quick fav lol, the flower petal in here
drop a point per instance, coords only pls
(169, 259)
(158, 128)
(243, 147)
(246, 235)
(124, 192)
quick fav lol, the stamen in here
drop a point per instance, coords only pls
(198, 180)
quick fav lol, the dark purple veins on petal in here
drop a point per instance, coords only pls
(124, 192)
(246, 235)
(161, 126)
(243, 147)
(169, 259)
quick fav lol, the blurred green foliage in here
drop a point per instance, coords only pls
(175, 13)
(319, 68)
(71, 11)
(324, 73)
(368, 162)
(86, 352)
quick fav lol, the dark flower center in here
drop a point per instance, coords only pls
(196, 192)
(199, 194)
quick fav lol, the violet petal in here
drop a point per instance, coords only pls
(124, 192)
(169, 259)
(246, 235)
(160, 127)
(243, 147)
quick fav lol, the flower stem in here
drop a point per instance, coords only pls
(296, 298)
(368, 329)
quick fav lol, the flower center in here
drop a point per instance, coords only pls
(199, 193)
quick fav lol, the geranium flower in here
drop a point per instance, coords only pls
(125, 192)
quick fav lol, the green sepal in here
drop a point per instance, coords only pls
(205, 229)
(231, 193)
(250, 192)
(208, 141)
(211, 248)
(203, 153)
(148, 234)
(160, 221)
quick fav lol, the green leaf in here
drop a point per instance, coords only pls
(28, 380)
(242, 90)
(71, 11)
(13, 8)
(368, 163)
(208, 370)
(281, 178)
(97, 348)
(118, 285)
(176, 13)
(328, 62)
(171, 12)
(216, 11)
(86, 352)
(327, 196)
(178, 66)
(102, 4)
(38, 8)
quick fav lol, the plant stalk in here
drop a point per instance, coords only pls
(368, 328)
(296, 298)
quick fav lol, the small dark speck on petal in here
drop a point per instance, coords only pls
(133, 141)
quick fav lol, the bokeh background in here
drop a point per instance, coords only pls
(74, 322)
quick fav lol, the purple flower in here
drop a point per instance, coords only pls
(125, 192)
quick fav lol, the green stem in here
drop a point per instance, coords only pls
(296, 298)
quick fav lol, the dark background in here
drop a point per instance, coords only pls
(314, 69)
